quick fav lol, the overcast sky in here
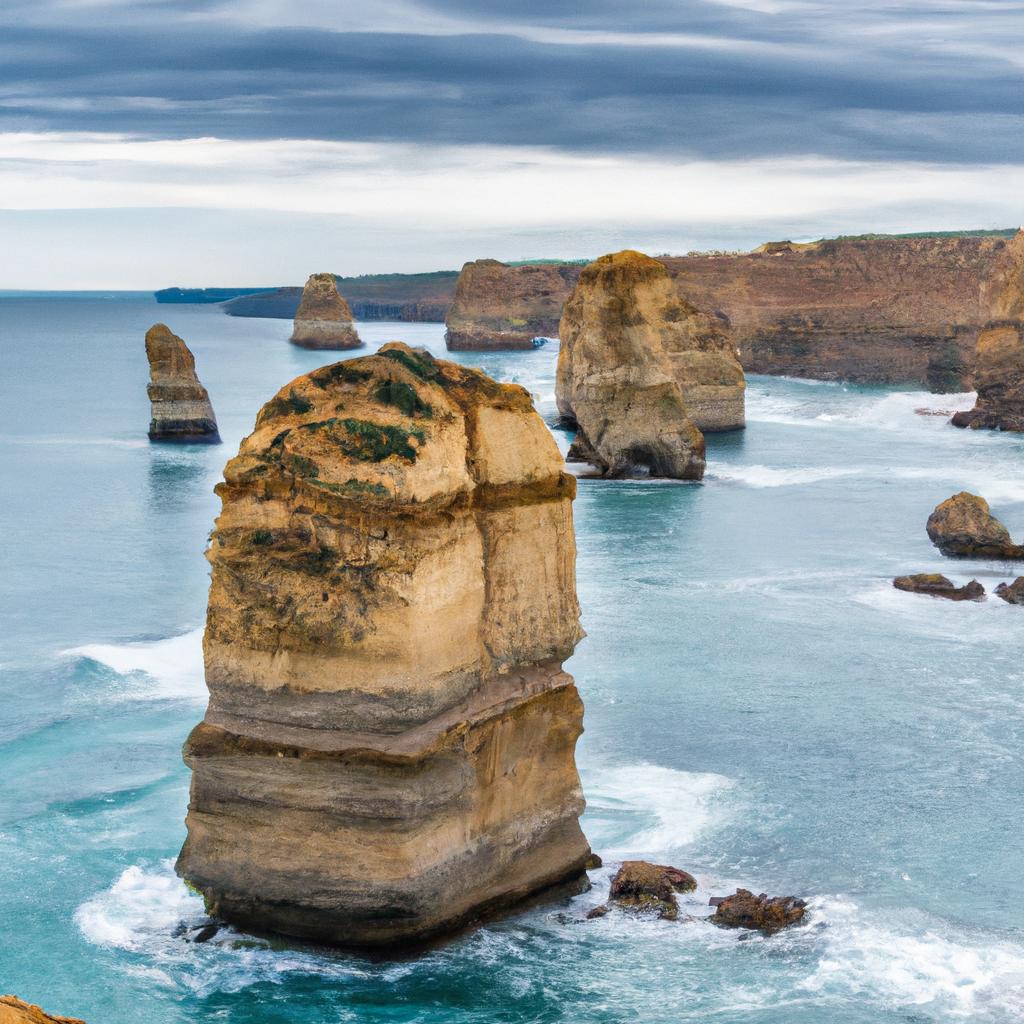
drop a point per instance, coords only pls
(251, 142)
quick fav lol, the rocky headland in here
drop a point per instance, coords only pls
(323, 319)
(497, 306)
(998, 379)
(180, 406)
(388, 751)
(14, 1011)
(616, 382)
(963, 527)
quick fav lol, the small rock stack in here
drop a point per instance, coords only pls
(323, 319)
(181, 409)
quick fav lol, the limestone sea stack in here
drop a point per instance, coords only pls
(388, 752)
(963, 527)
(501, 307)
(323, 319)
(181, 409)
(615, 380)
(998, 379)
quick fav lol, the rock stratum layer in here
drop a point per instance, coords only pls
(14, 1011)
(501, 307)
(617, 381)
(388, 752)
(874, 310)
(323, 319)
(181, 409)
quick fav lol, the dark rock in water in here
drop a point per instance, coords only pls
(639, 885)
(762, 913)
(1012, 593)
(593, 861)
(181, 409)
(716, 901)
(205, 933)
(936, 585)
(963, 527)
(598, 911)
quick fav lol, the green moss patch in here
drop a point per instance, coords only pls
(366, 441)
(343, 372)
(422, 364)
(292, 405)
(403, 397)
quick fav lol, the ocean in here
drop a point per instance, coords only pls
(763, 709)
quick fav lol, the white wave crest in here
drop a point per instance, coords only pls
(768, 476)
(648, 810)
(159, 669)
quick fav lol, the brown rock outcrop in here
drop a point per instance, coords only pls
(998, 379)
(964, 527)
(936, 585)
(1012, 593)
(15, 1011)
(323, 319)
(501, 307)
(181, 409)
(638, 885)
(388, 752)
(615, 379)
(761, 913)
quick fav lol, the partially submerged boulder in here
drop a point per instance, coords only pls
(1012, 593)
(181, 409)
(615, 379)
(639, 885)
(761, 913)
(936, 585)
(998, 379)
(323, 319)
(388, 751)
(15, 1011)
(964, 527)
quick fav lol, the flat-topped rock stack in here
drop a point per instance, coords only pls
(323, 319)
(388, 752)
(181, 409)
(631, 360)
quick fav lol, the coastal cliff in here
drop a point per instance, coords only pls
(323, 319)
(388, 751)
(498, 306)
(181, 409)
(15, 1011)
(616, 380)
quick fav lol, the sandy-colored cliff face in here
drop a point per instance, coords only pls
(501, 307)
(15, 1011)
(616, 379)
(323, 319)
(388, 751)
(181, 409)
(889, 310)
(998, 379)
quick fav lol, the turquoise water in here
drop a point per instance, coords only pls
(763, 709)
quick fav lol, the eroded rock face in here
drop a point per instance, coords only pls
(936, 585)
(964, 527)
(501, 307)
(641, 886)
(388, 751)
(616, 380)
(181, 409)
(998, 379)
(762, 913)
(323, 319)
(1012, 593)
(15, 1011)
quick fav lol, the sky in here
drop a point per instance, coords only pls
(146, 143)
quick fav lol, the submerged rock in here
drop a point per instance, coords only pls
(761, 913)
(388, 751)
(14, 1011)
(323, 319)
(998, 379)
(181, 409)
(1012, 593)
(615, 380)
(638, 885)
(963, 527)
(936, 585)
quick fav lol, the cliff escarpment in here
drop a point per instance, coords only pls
(621, 331)
(181, 409)
(498, 306)
(388, 752)
(323, 319)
